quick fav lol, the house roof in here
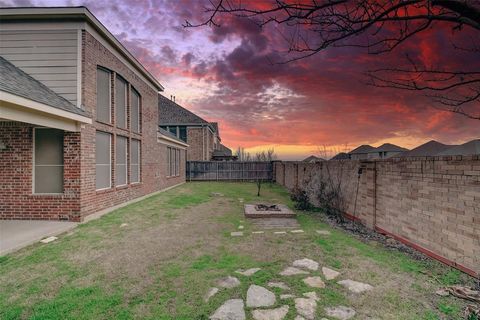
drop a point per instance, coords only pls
(431, 148)
(169, 113)
(341, 156)
(170, 135)
(77, 13)
(388, 147)
(215, 127)
(468, 148)
(365, 148)
(312, 158)
(13, 80)
(223, 151)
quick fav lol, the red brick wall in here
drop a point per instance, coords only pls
(80, 197)
(153, 154)
(432, 203)
(16, 170)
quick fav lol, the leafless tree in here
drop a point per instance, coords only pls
(380, 27)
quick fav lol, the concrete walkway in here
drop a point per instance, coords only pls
(16, 234)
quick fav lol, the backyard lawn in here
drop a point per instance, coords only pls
(158, 258)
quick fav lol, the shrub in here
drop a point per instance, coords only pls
(300, 198)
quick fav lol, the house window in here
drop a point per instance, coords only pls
(121, 161)
(182, 133)
(121, 102)
(104, 108)
(135, 161)
(173, 130)
(173, 162)
(135, 111)
(103, 168)
(48, 161)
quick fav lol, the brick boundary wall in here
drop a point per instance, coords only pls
(429, 203)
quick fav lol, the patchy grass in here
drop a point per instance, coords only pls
(177, 245)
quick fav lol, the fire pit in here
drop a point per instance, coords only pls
(268, 211)
(267, 207)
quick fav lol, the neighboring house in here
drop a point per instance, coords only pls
(361, 153)
(223, 154)
(78, 119)
(466, 149)
(202, 136)
(385, 151)
(313, 159)
(431, 148)
(341, 156)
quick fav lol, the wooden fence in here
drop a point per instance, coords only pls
(229, 171)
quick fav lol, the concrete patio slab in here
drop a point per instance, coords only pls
(16, 234)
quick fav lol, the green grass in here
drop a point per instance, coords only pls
(101, 271)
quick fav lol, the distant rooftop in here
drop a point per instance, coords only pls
(365, 148)
(431, 148)
(388, 147)
(466, 149)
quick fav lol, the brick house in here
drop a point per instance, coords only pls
(203, 137)
(78, 119)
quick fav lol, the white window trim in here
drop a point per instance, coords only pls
(33, 169)
(110, 163)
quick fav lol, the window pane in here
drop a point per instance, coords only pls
(48, 154)
(48, 146)
(135, 111)
(120, 102)
(103, 96)
(48, 179)
(103, 160)
(135, 161)
(121, 161)
(183, 133)
(173, 130)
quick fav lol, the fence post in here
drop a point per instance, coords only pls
(217, 170)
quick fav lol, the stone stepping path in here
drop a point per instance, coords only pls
(240, 227)
(340, 312)
(236, 233)
(248, 272)
(306, 264)
(229, 282)
(213, 291)
(280, 232)
(323, 232)
(297, 231)
(258, 296)
(355, 286)
(278, 284)
(270, 314)
(292, 271)
(260, 301)
(232, 309)
(49, 239)
(330, 274)
(306, 307)
(314, 282)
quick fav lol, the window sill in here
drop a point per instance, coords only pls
(121, 187)
(104, 123)
(47, 195)
(105, 190)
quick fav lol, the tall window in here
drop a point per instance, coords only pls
(135, 161)
(135, 111)
(182, 133)
(104, 111)
(121, 161)
(173, 162)
(121, 102)
(103, 168)
(48, 164)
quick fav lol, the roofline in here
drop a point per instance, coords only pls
(206, 124)
(170, 139)
(81, 12)
(42, 107)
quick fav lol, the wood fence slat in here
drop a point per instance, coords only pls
(229, 171)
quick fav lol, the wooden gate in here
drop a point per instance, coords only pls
(229, 170)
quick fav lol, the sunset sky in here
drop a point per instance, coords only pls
(231, 75)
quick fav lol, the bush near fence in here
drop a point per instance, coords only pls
(430, 203)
